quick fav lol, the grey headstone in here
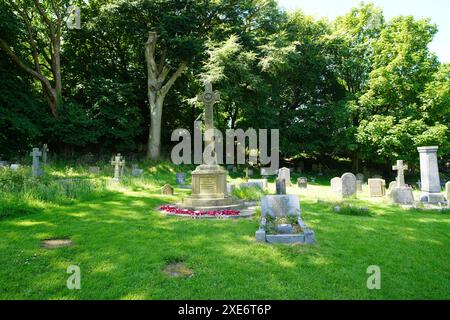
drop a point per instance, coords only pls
(15, 166)
(136, 172)
(280, 206)
(280, 185)
(302, 182)
(260, 183)
(94, 170)
(285, 173)
(180, 178)
(36, 166)
(267, 172)
(360, 177)
(429, 176)
(348, 185)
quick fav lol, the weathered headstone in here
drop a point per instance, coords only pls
(259, 183)
(377, 187)
(302, 182)
(285, 173)
(180, 178)
(136, 172)
(429, 176)
(167, 189)
(118, 164)
(348, 185)
(280, 185)
(360, 177)
(336, 184)
(281, 206)
(94, 170)
(45, 151)
(401, 193)
(267, 172)
(36, 167)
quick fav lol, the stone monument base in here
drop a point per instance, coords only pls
(432, 197)
(402, 195)
(209, 190)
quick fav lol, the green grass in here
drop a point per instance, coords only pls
(122, 244)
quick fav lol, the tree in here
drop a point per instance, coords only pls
(157, 88)
(41, 24)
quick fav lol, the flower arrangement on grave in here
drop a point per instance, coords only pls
(272, 224)
(198, 213)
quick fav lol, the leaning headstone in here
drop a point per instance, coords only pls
(45, 151)
(167, 190)
(429, 176)
(377, 187)
(285, 173)
(36, 166)
(302, 182)
(336, 184)
(447, 191)
(280, 185)
(348, 185)
(94, 170)
(282, 206)
(401, 193)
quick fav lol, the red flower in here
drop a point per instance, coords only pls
(215, 213)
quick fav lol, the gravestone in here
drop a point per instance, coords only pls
(282, 206)
(230, 188)
(180, 178)
(360, 177)
(249, 172)
(280, 185)
(377, 187)
(348, 185)
(136, 172)
(15, 166)
(429, 176)
(359, 186)
(285, 173)
(36, 166)
(94, 170)
(401, 193)
(259, 183)
(45, 151)
(265, 172)
(3, 163)
(118, 164)
(235, 169)
(447, 191)
(302, 182)
(392, 185)
(336, 184)
(209, 179)
(167, 190)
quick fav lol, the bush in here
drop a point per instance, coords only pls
(249, 193)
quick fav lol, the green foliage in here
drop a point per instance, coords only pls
(249, 193)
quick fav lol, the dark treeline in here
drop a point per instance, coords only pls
(359, 87)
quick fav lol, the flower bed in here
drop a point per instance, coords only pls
(189, 212)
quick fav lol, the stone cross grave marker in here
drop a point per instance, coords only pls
(36, 168)
(400, 168)
(118, 164)
(209, 98)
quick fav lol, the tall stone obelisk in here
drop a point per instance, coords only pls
(209, 180)
(429, 176)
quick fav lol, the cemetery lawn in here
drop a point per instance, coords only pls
(122, 244)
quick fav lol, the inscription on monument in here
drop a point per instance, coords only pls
(207, 184)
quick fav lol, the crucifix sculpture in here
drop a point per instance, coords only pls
(400, 167)
(209, 98)
(118, 163)
(35, 169)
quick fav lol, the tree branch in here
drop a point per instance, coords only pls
(173, 78)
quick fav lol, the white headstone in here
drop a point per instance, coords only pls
(280, 205)
(260, 183)
(447, 190)
(285, 173)
(377, 187)
(336, 184)
(348, 185)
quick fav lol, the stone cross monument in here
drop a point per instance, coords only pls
(429, 176)
(117, 162)
(209, 98)
(45, 150)
(400, 168)
(35, 169)
(209, 180)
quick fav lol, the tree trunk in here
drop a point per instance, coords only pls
(157, 89)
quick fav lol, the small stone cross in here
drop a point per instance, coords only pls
(118, 164)
(400, 168)
(35, 167)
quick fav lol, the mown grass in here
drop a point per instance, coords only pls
(122, 244)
